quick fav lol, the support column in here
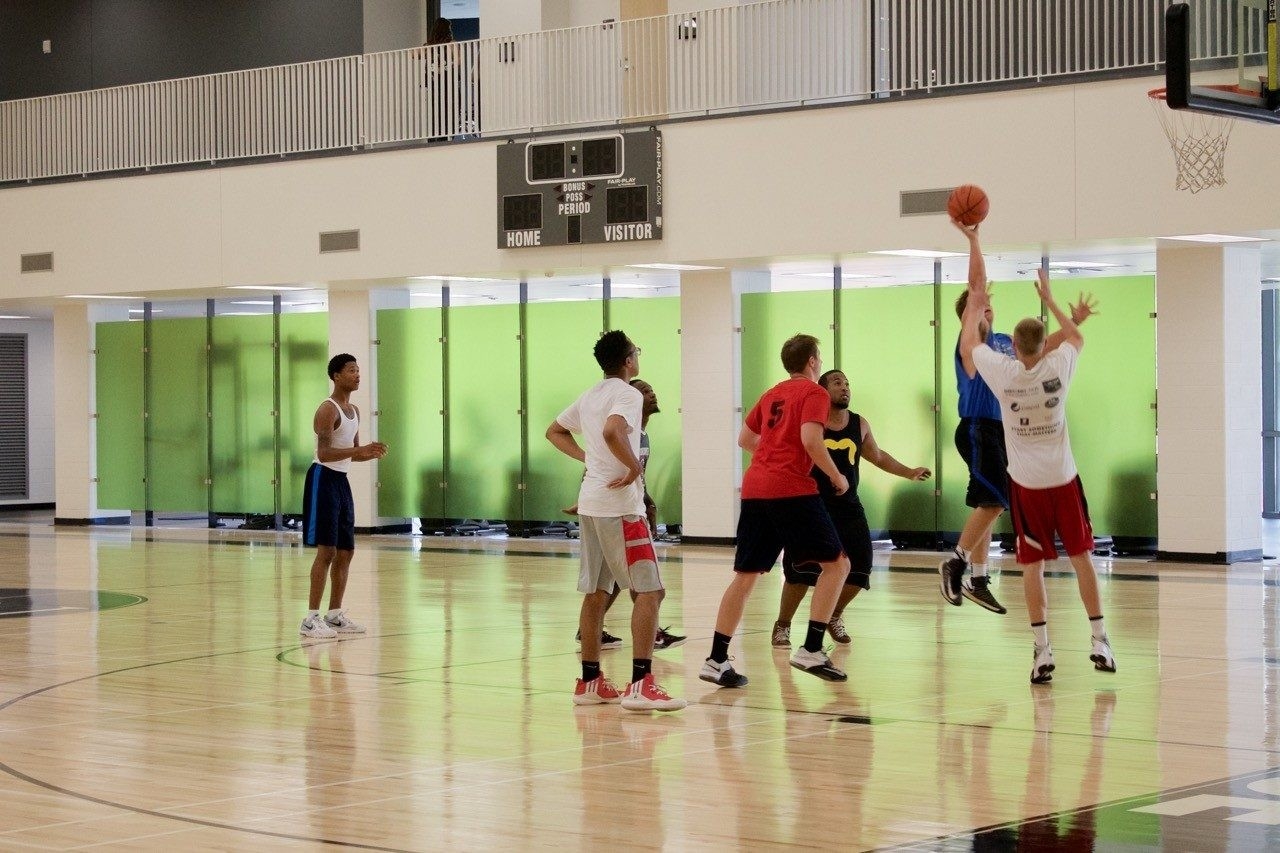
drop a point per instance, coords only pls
(351, 331)
(75, 434)
(708, 405)
(1209, 422)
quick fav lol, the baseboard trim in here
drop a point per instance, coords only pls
(686, 539)
(91, 522)
(1218, 558)
(26, 507)
(386, 528)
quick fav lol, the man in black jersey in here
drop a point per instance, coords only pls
(848, 438)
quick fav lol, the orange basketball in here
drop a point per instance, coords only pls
(968, 204)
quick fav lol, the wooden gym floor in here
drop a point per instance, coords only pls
(196, 719)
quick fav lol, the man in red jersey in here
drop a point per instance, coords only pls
(781, 509)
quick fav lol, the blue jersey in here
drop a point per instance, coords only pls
(976, 399)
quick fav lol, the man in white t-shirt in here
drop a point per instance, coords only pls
(616, 543)
(1046, 497)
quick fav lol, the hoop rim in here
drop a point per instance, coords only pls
(1161, 93)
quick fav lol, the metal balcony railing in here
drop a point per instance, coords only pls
(764, 55)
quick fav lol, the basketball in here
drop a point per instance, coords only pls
(968, 204)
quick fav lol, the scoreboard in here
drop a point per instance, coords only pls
(593, 188)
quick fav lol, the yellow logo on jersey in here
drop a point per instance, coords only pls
(843, 444)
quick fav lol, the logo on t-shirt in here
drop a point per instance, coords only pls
(1013, 407)
(1024, 421)
(1052, 385)
(1051, 402)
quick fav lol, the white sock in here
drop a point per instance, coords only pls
(333, 614)
(311, 613)
(963, 554)
(979, 570)
(1097, 627)
(1042, 635)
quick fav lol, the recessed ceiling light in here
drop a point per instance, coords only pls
(845, 276)
(14, 317)
(99, 296)
(270, 303)
(919, 253)
(267, 287)
(1217, 238)
(449, 278)
(621, 285)
(241, 313)
(679, 267)
(1078, 265)
(144, 310)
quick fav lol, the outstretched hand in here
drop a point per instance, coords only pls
(1084, 309)
(919, 474)
(970, 232)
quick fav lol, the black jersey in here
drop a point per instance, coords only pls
(845, 447)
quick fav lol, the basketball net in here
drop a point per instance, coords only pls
(1199, 142)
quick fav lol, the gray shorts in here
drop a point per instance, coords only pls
(617, 550)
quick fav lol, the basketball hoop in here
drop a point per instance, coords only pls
(1199, 142)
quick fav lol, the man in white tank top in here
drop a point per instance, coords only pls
(328, 511)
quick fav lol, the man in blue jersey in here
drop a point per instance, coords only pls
(980, 441)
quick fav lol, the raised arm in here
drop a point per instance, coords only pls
(977, 284)
(970, 335)
(882, 460)
(1081, 311)
(1070, 331)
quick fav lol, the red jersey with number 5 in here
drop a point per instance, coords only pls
(780, 466)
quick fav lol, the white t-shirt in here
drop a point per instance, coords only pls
(587, 417)
(1033, 408)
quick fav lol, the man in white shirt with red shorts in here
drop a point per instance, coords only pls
(1046, 497)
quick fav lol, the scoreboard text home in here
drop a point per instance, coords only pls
(595, 188)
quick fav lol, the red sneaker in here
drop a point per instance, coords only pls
(646, 695)
(597, 691)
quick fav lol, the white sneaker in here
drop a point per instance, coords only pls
(342, 624)
(1042, 665)
(316, 628)
(1103, 659)
(817, 663)
(722, 673)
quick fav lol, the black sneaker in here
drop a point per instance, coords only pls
(817, 663)
(976, 590)
(722, 674)
(667, 640)
(950, 572)
(607, 640)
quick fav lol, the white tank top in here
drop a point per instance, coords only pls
(343, 437)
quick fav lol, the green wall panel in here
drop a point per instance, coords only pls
(484, 426)
(118, 383)
(410, 398)
(179, 421)
(304, 357)
(887, 353)
(561, 338)
(1114, 384)
(243, 445)
(654, 324)
(768, 320)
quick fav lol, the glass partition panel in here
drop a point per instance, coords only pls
(304, 356)
(410, 399)
(1109, 411)
(768, 319)
(654, 325)
(178, 450)
(243, 429)
(887, 353)
(483, 411)
(118, 389)
(560, 340)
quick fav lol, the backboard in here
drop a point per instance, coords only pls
(1250, 33)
